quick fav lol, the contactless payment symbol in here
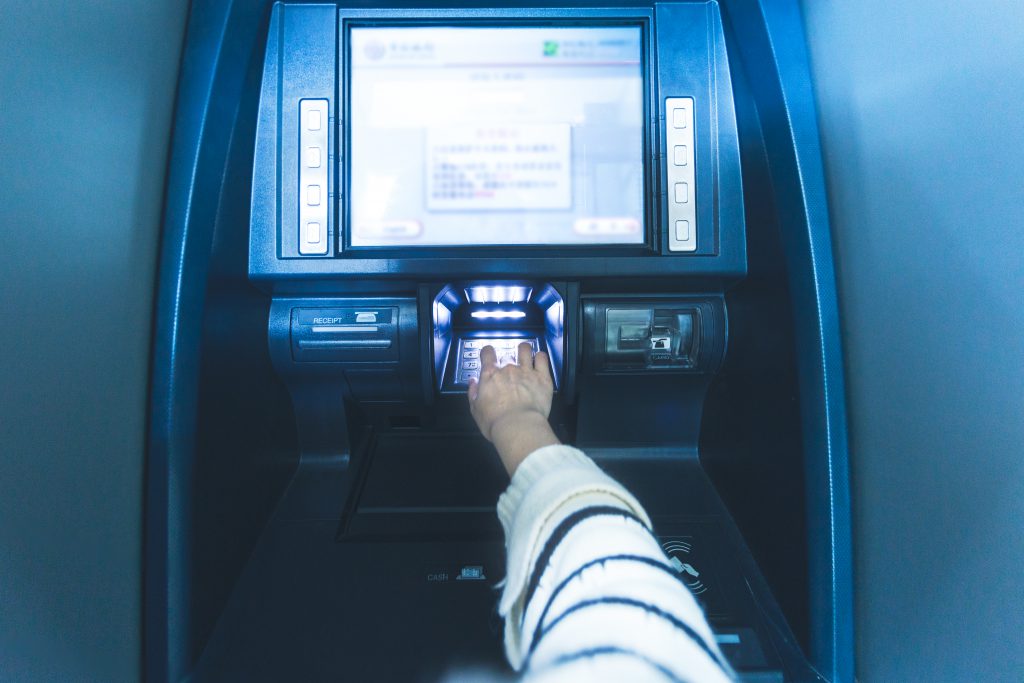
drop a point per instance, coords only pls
(680, 558)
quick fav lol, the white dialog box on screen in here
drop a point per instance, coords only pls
(510, 166)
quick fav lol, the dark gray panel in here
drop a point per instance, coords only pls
(920, 110)
(86, 96)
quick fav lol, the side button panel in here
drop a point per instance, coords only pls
(680, 175)
(312, 227)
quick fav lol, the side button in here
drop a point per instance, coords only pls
(682, 231)
(313, 195)
(312, 233)
(682, 193)
(679, 155)
(313, 157)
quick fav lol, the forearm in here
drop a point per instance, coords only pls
(517, 436)
(586, 575)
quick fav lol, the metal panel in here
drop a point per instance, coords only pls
(679, 174)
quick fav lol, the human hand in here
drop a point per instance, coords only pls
(511, 404)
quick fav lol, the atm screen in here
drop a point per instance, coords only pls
(496, 136)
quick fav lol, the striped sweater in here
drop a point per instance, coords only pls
(589, 594)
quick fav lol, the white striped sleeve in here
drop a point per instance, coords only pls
(589, 594)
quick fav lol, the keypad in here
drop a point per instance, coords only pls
(468, 361)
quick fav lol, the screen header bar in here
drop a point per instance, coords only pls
(437, 46)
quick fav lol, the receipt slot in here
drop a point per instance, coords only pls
(345, 334)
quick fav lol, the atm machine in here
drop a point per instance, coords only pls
(361, 198)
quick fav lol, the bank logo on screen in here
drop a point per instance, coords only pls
(375, 50)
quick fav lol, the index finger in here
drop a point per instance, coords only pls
(524, 355)
(488, 360)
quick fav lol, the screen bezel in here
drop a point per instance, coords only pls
(343, 141)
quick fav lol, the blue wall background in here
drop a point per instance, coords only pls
(86, 97)
(921, 108)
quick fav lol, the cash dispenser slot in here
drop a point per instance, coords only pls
(653, 335)
(660, 350)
